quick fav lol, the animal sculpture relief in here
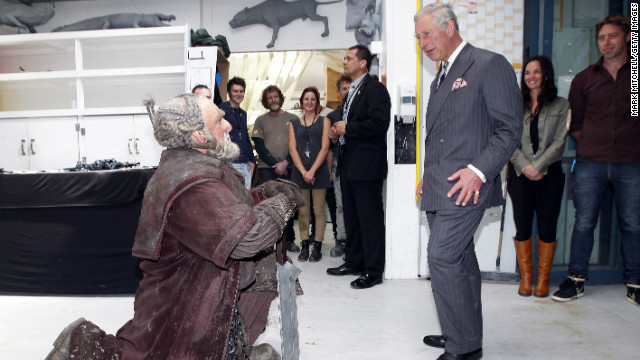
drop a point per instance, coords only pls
(25, 15)
(278, 13)
(118, 21)
(362, 18)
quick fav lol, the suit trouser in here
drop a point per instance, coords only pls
(455, 277)
(330, 199)
(341, 233)
(364, 224)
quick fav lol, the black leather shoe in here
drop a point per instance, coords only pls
(344, 269)
(436, 341)
(365, 281)
(471, 355)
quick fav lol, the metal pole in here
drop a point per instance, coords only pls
(504, 210)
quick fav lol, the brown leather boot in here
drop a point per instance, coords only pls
(545, 261)
(525, 261)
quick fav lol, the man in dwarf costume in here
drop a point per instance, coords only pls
(200, 236)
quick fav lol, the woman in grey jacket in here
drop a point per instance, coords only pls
(536, 180)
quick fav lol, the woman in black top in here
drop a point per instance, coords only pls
(308, 148)
(536, 180)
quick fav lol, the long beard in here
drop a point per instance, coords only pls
(225, 150)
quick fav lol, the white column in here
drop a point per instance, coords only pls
(398, 63)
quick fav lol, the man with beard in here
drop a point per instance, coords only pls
(271, 137)
(607, 155)
(199, 234)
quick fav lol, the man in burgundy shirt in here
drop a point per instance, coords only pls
(607, 153)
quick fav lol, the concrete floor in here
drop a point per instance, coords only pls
(384, 322)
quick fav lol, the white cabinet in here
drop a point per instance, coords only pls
(147, 149)
(126, 138)
(91, 72)
(97, 79)
(38, 143)
(14, 144)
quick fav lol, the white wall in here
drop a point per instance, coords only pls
(67, 12)
(297, 35)
(214, 15)
(402, 209)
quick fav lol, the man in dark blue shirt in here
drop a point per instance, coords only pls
(246, 162)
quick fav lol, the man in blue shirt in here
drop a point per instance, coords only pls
(246, 162)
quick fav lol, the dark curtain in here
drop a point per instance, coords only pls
(70, 233)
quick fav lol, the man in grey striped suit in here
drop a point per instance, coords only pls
(473, 125)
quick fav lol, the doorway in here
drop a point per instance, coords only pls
(291, 71)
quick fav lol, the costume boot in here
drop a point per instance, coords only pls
(61, 344)
(525, 261)
(545, 261)
(304, 251)
(316, 253)
(264, 351)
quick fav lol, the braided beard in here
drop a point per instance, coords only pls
(225, 150)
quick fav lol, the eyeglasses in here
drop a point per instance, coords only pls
(422, 35)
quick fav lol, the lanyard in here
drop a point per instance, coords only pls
(350, 97)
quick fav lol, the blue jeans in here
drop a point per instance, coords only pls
(591, 180)
(245, 170)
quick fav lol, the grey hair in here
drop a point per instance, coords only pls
(441, 12)
(175, 120)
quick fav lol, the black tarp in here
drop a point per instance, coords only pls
(71, 232)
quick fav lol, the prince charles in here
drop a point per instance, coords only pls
(473, 125)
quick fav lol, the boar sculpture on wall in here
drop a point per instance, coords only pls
(278, 13)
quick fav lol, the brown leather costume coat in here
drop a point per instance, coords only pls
(195, 216)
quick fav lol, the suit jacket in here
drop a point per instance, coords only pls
(365, 150)
(474, 117)
(552, 132)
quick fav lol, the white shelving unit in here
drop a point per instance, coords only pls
(90, 72)
(100, 75)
